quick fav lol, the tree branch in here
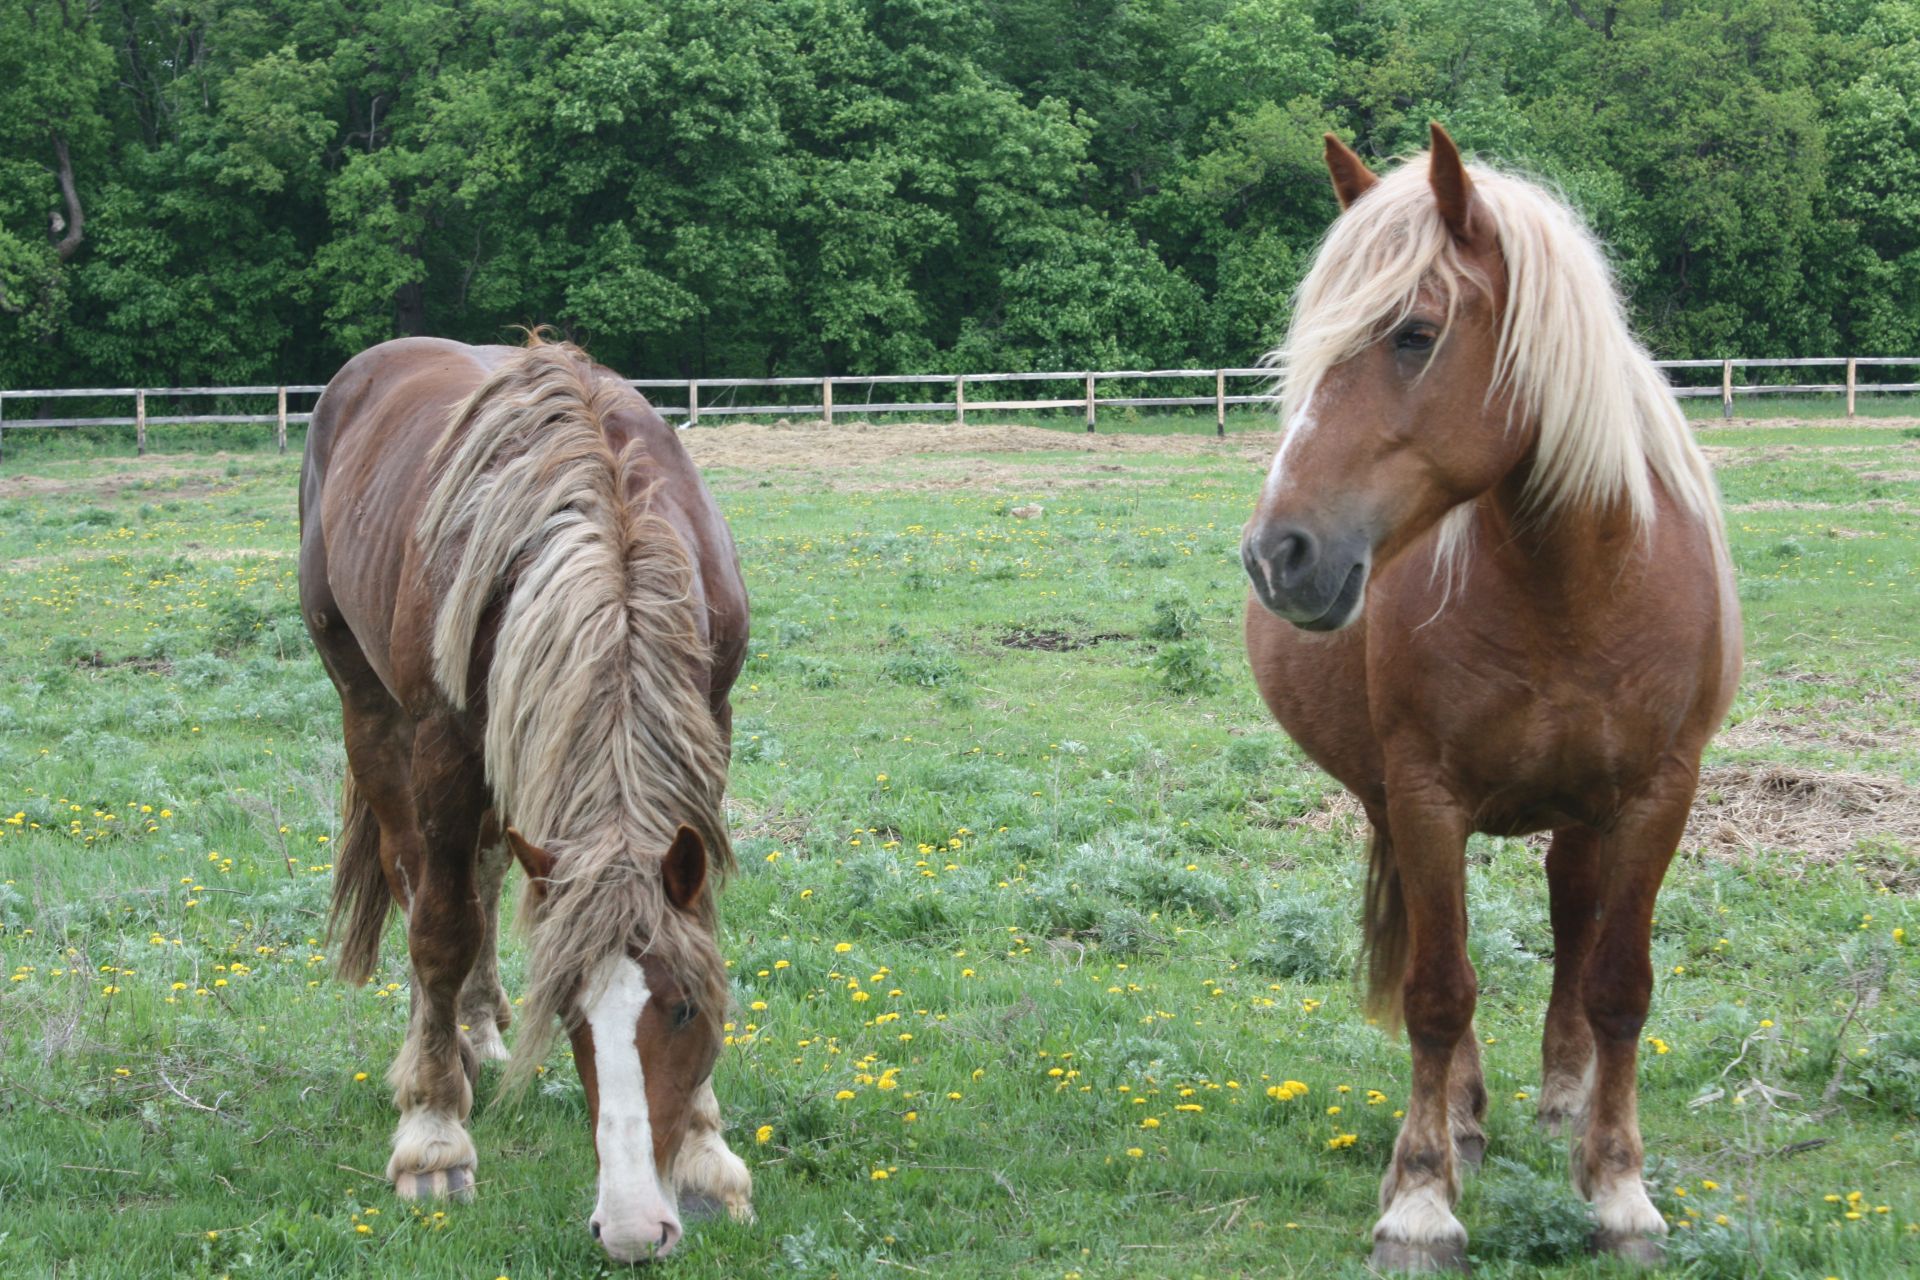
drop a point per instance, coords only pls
(76, 217)
(1604, 27)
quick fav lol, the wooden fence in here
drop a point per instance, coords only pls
(714, 398)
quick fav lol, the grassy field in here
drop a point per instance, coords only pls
(1042, 925)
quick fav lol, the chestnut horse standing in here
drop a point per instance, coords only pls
(533, 614)
(1491, 593)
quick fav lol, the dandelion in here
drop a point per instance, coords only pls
(879, 1175)
(1151, 1122)
(1135, 1152)
(764, 1134)
(844, 1095)
(842, 947)
(1341, 1141)
(359, 1077)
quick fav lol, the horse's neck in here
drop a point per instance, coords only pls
(1577, 558)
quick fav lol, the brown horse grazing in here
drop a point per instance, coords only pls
(1491, 593)
(533, 614)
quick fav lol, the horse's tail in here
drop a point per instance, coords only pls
(1384, 932)
(361, 899)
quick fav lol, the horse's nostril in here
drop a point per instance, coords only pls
(594, 1227)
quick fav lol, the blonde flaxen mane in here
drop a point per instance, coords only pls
(599, 738)
(1608, 427)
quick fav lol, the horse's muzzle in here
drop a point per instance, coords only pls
(1316, 583)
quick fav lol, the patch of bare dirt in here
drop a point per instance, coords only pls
(1871, 504)
(191, 550)
(1050, 640)
(198, 475)
(1821, 813)
(855, 445)
(96, 661)
(1708, 429)
(1833, 726)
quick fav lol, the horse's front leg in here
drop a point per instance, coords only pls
(1417, 1230)
(1616, 987)
(484, 1009)
(707, 1175)
(433, 1075)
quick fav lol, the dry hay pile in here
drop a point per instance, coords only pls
(1819, 816)
(1825, 815)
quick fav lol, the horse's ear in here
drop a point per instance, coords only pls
(535, 861)
(683, 872)
(1351, 177)
(1452, 189)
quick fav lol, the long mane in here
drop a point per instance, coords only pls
(1608, 426)
(599, 739)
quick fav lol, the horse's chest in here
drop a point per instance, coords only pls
(1528, 750)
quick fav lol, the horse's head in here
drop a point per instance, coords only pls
(644, 1039)
(1393, 397)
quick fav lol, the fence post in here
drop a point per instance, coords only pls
(693, 402)
(1220, 403)
(1726, 388)
(960, 400)
(140, 423)
(280, 429)
(1852, 383)
(1091, 410)
(826, 399)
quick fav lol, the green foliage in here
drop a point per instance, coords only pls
(746, 187)
(1187, 667)
(1530, 1217)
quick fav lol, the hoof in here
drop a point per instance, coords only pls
(1642, 1251)
(696, 1205)
(488, 1046)
(1418, 1259)
(435, 1184)
(1469, 1150)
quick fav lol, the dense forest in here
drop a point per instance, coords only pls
(207, 191)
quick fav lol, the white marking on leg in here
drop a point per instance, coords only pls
(1622, 1209)
(706, 1166)
(485, 1037)
(1420, 1215)
(425, 1142)
(634, 1215)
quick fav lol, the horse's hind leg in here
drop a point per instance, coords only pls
(706, 1174)
(1574, 879)
(484, 1008)
(1615, 988)
(433, 1075)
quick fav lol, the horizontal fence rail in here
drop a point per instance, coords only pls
(708, 397)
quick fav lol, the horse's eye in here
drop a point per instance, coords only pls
(1416, 338)
(685, 1013)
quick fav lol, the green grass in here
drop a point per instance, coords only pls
(1018, 767)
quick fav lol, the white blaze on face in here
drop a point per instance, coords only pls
(635, 1217)
(1298, 428)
